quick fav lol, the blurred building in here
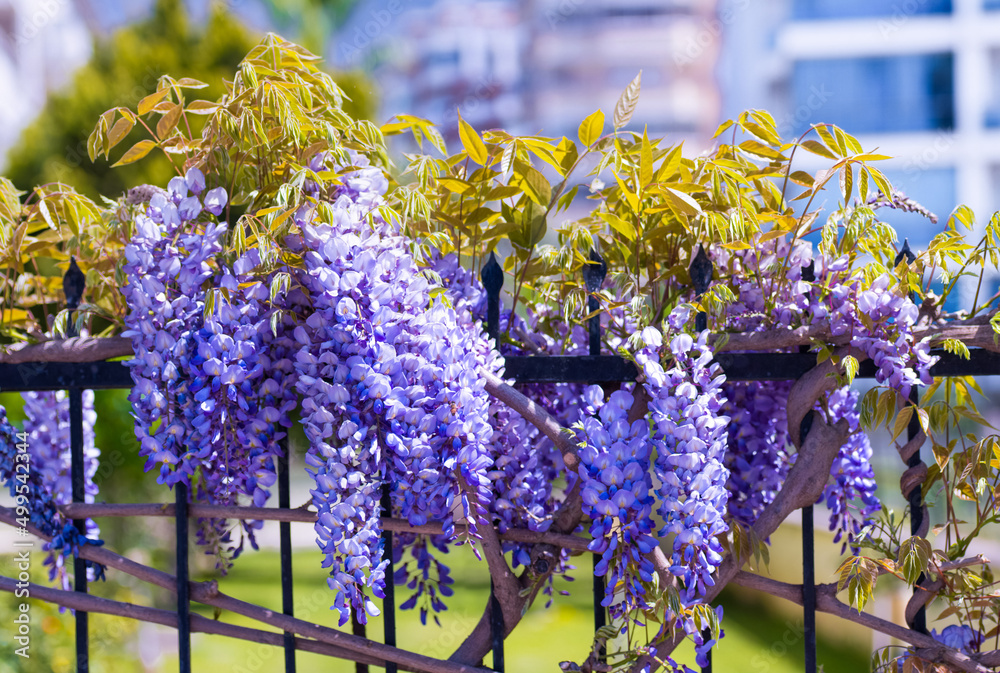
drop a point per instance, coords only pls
(917, 79)
(538, 66)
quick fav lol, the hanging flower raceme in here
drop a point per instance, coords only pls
(850, 496)
(47, 427)
(617, 497)
(207, 403)
(390, 389)
(167, 264)
(689, 434)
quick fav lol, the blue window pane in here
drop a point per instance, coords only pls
(845, 9)
(873, 95)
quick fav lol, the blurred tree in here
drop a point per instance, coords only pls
(311, 21)
(123, 70)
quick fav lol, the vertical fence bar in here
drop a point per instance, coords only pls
(79, 564)
(916, 500)
(700, 271)
(492, 278)
(808, 540)
(285, 534)
(74, 283)
(389, 604)
(915, 496)
(809, 589)
(183, 596)
(593, 277)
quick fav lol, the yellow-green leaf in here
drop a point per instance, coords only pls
(681, 202)
(532, 182)
(851, 367)
(471, 141)
(136, 152)
(202, 107)
(645, 161)
(592, 128)
(623, 227)
(455, 185)
(119, 131)
(169, 121)
(817, 148)
(189, 83)
(150, 101)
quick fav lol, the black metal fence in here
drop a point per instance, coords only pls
(592, 368)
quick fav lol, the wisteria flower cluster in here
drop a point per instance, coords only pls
(617, 489)
(690, 432)
(210, 406)
(389, 388)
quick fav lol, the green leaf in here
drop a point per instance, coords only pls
(136, 152)
(531, 180)
(914, 555)
(592, 128)
(471, 141)
(957, 347)
(626, 104)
